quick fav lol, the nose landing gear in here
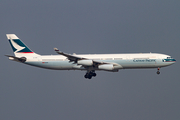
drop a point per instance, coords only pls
(90, 74)
(158, 72)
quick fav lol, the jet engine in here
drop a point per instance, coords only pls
(85, 62)
(106, 67)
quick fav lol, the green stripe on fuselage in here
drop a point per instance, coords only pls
(169, 60)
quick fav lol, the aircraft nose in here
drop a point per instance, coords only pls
(174, 60)
(170, 61)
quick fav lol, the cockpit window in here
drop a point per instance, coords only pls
(169, 57)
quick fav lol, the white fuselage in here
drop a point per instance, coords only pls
(127, 61)
(90, 63)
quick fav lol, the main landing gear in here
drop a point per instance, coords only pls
(158, 72)
(90, 74)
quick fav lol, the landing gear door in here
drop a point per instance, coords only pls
(159, 58)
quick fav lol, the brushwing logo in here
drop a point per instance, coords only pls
(16, 46)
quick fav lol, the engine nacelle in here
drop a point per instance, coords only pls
(85, 62)
(106, 67)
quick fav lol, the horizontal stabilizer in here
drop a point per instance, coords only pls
(21, 59)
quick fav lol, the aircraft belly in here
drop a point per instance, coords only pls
(131, 64)
(58, 65)
(126, 64)
(142, 64)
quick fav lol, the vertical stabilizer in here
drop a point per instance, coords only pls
(19, 48)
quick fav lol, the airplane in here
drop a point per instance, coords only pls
(86, 62)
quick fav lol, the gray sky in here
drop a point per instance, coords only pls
(90, 26)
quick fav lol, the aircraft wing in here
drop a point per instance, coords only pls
(71, 58)
(85, 62)
(75, 59)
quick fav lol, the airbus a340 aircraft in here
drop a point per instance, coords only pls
(89, 63)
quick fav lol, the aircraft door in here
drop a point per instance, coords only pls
(39, 58)
(127, 58)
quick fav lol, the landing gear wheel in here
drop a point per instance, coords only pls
(90, 74)
(94, 75)
(158, 72)
(85, 76)
(89, 77)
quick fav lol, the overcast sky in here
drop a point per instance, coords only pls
(90, 26)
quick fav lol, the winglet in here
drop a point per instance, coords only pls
(59, 52)
(56, 49)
